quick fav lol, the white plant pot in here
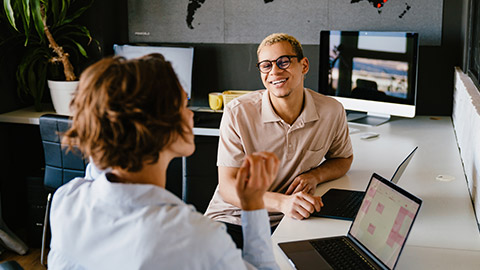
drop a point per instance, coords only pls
(62, 93)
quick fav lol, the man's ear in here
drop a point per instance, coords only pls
(305, 65)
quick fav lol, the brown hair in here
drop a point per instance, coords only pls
(126, 111)
(278, 37)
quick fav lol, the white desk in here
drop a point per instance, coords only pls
(29, 116)
(445, 234)
(26, 115)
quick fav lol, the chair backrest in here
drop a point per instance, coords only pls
(60, 166)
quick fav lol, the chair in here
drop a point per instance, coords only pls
(60, 166)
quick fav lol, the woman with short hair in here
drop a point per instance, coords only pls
(131, 118)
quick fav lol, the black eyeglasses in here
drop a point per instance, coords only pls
(282, 62)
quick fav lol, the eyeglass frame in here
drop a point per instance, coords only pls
(276, 62)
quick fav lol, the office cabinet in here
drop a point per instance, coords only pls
(200, 173)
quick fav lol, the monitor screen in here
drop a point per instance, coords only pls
(373, 72)
(180, 57)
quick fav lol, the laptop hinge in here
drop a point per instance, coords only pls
(370, 256)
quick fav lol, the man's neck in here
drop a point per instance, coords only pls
(288, 108)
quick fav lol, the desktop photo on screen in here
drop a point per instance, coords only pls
(370, 72)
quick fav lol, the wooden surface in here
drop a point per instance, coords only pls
(30, 261)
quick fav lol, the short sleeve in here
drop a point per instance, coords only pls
(230, 147)
(341, 146)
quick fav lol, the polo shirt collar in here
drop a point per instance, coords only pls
(268, 113)
(308, 114)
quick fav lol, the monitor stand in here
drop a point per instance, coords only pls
(369, 119)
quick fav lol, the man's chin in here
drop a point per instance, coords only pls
(280, 93)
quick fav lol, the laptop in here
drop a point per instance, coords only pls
(375, 238)
(344, 204)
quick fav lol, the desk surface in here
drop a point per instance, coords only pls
(446, 223)
(445, 234)
(208, 126)
(26, 115)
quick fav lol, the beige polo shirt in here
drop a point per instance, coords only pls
(250, 124)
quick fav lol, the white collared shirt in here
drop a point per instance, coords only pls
(97, 224)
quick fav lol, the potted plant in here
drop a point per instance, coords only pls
(51, 40)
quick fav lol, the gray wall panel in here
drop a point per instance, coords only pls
(251, 21)
(423, 17)
(246, 22)
(166, 21)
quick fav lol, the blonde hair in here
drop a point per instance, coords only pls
(278, 37)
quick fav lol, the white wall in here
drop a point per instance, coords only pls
(466, 120)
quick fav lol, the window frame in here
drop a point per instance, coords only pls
(473, 38)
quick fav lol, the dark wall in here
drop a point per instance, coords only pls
(21, 157)
(107, 22)
(464, 31)
(435, 69)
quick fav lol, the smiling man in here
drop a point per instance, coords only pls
(306, 130)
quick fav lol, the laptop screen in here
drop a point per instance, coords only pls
(401, 168)
(385, 219)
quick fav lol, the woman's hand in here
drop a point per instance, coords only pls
(254, 177)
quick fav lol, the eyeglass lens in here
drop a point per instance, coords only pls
(283, 62)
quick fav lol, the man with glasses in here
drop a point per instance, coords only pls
(306, 130)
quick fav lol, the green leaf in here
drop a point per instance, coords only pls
(37, 18)
(26, 12)
(77, 13)
(55, 10)
(31, 83)
(63, 12)
(33, 60)
(26, 19)
(80, 48)
(41, 81)
(9, 12)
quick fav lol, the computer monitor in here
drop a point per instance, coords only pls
(180, 57)
(370, 72)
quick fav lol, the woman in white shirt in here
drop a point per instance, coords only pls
(131, 118)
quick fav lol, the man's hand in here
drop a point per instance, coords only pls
(300, 205)
(306, 182)
(254, 177)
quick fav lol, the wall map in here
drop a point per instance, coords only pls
(230, 21)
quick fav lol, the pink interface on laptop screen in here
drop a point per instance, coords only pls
(383, 227)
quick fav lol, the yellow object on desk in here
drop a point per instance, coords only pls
(232, 94)
(215, 100)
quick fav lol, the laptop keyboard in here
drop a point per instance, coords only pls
(340, 254)
(349, 207)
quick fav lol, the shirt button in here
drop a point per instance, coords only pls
(289, 145)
